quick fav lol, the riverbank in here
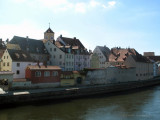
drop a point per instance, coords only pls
(70, 92)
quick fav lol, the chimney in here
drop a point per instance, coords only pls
(38, 64)
(7, 40)
(60, 36)
(74, 38)
(45, 64)
(27, 38)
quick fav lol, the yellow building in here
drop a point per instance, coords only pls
(67, 78)
(94, 61)
(72, 78)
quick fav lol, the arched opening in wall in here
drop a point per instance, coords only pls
(79, 80)
(4, 84)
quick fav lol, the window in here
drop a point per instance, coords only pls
(4, 64)
(52, 38)
(54, 49)
(50, 49)
(18, 72)
(8, 64)
(60, 63)
(46, 73)
(55, 73)
(4, 57)
(7, 57)
(18, 64)
(38, 74)
(54, 56)
(60, 56)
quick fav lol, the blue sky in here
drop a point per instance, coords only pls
(124, 23)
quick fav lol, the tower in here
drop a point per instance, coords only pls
(49, 34)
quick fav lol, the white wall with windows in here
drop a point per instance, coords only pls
(57, 56)
(18, 68)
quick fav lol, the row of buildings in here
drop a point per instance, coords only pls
(69, 55)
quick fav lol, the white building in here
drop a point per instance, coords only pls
(77, 50)
(59, 55)
(16, 61)
(103, 54)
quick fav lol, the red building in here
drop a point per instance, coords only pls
(43, 74)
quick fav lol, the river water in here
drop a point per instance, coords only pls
(141, 104)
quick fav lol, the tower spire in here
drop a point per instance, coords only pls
(49, 24)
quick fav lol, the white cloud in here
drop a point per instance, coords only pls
(94, 3)
(26, 28)
(104, 6)
(111, 3)
(58, 6)
(80, 7)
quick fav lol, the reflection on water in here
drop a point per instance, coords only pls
(141, 105)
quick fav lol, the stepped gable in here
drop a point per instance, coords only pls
(19, 55)
(29, 45)
(120, 55)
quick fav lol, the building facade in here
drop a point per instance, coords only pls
(43, 74)
(110, 75)
(76, 48)
(16, 61)
(103, 54)
(131, 58)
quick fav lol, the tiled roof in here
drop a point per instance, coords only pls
(73, 48)
(49, 30)
(105, 50)
(19, 55)
(37, 67)
(155, 58)
(13, 46)
(1, 52)
(72, 42)
(120, 55)
(29, 45)
(2, 48)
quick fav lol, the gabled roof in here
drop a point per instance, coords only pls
(29, 45)
(105, 50)
(49, 30)
(2, 48)
(19, 55)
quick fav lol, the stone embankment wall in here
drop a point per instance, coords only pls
(72, 92)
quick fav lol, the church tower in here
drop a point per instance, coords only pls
(49, 35)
